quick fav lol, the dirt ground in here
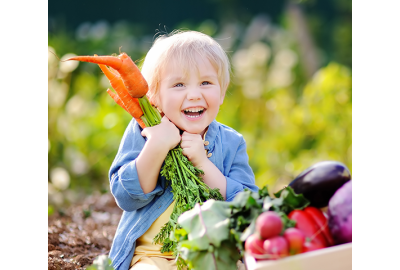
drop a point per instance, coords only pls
(82, 232)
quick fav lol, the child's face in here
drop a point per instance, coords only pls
(191, 102)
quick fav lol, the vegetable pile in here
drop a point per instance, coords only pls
(216, 234)
(185, 179)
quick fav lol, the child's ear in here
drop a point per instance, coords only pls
(222, 98)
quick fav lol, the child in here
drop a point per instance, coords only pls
(188, 74)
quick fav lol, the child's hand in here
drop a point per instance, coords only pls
(164, 135)
(193, 148)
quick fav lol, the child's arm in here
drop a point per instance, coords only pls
(239, 175)
(160, 139)
(233, 166)
(193, 147)
(124, 176)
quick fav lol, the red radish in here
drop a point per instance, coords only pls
(269, 224)
(277, 247)
(295, 239)
(254, 245)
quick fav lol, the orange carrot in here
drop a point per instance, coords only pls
(130, 74)
(116, 98)
(120, 103)
(131, 104)
(140, 122)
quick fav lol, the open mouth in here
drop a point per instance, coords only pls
(194, 112)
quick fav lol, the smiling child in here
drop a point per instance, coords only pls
(188, 74)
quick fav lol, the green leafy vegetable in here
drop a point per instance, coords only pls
(291, 200)
(204, 240)
(212, 235)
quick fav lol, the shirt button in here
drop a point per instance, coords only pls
(206, 143)
(209, 155)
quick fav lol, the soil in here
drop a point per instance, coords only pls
(82, 232)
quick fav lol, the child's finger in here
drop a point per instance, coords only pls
(186, 139)
(187, 134)
(190, 136)
(185, 144)
(144, 132)
(185, 152)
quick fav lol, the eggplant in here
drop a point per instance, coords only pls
(319, 182)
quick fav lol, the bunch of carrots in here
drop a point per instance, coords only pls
(129, 85)
(130, 93)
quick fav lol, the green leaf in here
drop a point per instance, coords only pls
(224, 257)
(263, 192)
(291, 200)
(206, 224)
(272, 203)
(202, 260)
(248, 231)
(241, 199)
(287, 223)
(227, 255)
(278, 193)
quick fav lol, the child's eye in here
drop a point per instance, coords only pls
(178, 85)
(205, 83)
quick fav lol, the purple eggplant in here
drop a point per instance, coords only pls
(319, 182)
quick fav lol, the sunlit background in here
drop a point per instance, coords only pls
(290, 96)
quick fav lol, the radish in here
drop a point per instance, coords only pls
(254, 245)
(269, 224)
(277, 247)
(295, 239)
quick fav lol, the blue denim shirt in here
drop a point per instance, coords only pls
(229, 155)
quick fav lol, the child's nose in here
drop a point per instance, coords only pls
(194, 94)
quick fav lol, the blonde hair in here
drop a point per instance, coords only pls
(182, 48)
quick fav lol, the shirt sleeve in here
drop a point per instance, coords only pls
(124, 179)
(240, 175)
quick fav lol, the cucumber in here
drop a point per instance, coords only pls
(319, 182)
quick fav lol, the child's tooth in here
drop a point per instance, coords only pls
(198, 109)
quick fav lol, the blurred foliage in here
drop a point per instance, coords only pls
(289, 120)
(101, 262)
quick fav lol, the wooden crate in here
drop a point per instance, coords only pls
(332, 258)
